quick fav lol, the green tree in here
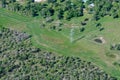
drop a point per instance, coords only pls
(68, 15)
(3, 3)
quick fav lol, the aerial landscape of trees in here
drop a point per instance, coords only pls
(20, 60)
(65, 9)
(60, 8)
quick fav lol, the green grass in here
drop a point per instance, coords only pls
(59, 42)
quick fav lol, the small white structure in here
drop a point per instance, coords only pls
(91, 5)
(84, 0)
(39, 0)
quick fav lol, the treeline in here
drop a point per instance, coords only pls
(61, 9)
(19, 60)
(65, 9)
(104, 7)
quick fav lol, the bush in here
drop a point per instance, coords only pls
(82, 29)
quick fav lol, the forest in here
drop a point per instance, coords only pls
(65, 9)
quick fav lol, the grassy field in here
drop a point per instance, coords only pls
(59, 41)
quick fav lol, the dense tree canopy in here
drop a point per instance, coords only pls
(105, 7)
(20, 60)
(65, 9)
(58, 8)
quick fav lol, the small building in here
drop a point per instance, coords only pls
(39, 0)
(84, 0)
(91, 5)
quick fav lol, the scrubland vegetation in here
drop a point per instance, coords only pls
(20, 60)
